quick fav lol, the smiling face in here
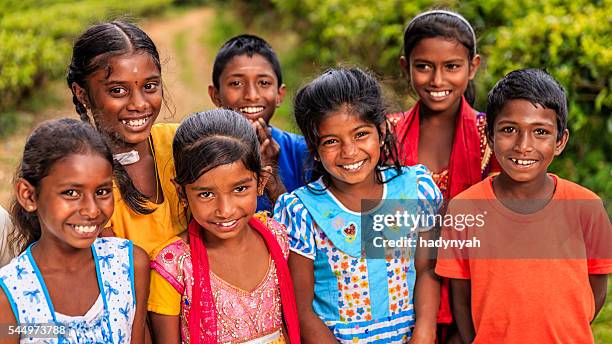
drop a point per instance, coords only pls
(525, 140)
(349, 148)
(223, 199)
(439, 71)
(75, 200)
(248, 85)
(125, 103)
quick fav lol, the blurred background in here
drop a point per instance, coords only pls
(572, 39)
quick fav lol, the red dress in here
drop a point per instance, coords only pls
(470, 162)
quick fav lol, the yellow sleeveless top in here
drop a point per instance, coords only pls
(168, 219)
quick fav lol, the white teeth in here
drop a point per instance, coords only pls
(251, 109)
(227, 224)
(523, 162)
(439, 94)
(354, 166)
(135, 122)
(85, 229)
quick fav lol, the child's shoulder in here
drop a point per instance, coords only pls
(289, 141)
(171, 247)
(481, 190)
(164, 130)
(570, 190)
(108, 244)
(286, 134)
(419, 172)
(11, 266)
(395, 118)
(278, 229)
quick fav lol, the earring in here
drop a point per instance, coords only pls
(30, 208)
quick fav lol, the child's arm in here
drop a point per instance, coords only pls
(7, 321)
(164, 310)
(313, 330)
(426, 293)
(165, 328)
(461, 299)
(599, 285)
(141, 285)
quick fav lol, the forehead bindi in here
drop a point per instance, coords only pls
(130, 67)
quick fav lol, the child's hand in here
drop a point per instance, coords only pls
(268, 148)
(422, 338)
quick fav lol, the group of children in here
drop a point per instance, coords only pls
(227, 229)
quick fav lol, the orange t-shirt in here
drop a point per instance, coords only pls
(530, 275)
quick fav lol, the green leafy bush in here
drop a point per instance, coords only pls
(36, 38)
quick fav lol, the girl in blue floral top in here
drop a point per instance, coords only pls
(345, 292)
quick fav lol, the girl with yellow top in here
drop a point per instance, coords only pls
(115, 78)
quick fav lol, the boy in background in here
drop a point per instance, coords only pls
(247, 79)
(540, 274)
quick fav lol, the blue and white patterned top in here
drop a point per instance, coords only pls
(358, 297)
(27, 293)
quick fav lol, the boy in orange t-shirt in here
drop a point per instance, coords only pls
(533, 266)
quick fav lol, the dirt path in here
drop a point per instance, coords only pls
(186, 65)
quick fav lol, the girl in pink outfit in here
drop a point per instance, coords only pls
(226, 278)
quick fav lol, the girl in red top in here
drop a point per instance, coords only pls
(442, 131)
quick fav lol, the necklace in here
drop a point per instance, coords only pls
(155, 169)
(127, 158)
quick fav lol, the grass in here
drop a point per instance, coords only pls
(602, 326)
(180, 46)
(49, 95)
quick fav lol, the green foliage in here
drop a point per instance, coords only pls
(36, 37)
(573, 42)
(572, 39)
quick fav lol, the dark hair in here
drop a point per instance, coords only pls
(534, 85)
(447, 24)
(205, 140)
(244, 45)
(92, 51)
(335, 88)
(49, 143)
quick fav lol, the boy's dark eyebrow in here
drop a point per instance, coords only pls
(200, 188)
(506, 121)
(271, 75)
(70, 184)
